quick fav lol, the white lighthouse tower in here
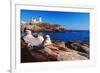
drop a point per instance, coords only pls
(40, 19)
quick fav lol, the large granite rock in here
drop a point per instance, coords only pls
(78, 46)
(53, 52)
(61, 55)
(60, 43)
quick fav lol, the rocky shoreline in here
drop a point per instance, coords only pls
(58, 51)
(41, 27)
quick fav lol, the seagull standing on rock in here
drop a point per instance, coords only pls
(33, 40)
(47, 40)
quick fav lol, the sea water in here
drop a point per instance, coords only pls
(82, 35)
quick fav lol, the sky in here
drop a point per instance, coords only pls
(70, 20)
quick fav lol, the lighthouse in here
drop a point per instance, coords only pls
(40, 19)
(34, 20)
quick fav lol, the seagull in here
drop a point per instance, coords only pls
(47, 40)
(33, 40)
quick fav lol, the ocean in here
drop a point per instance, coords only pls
(82, 35)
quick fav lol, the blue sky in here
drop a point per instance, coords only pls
(70, 20)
